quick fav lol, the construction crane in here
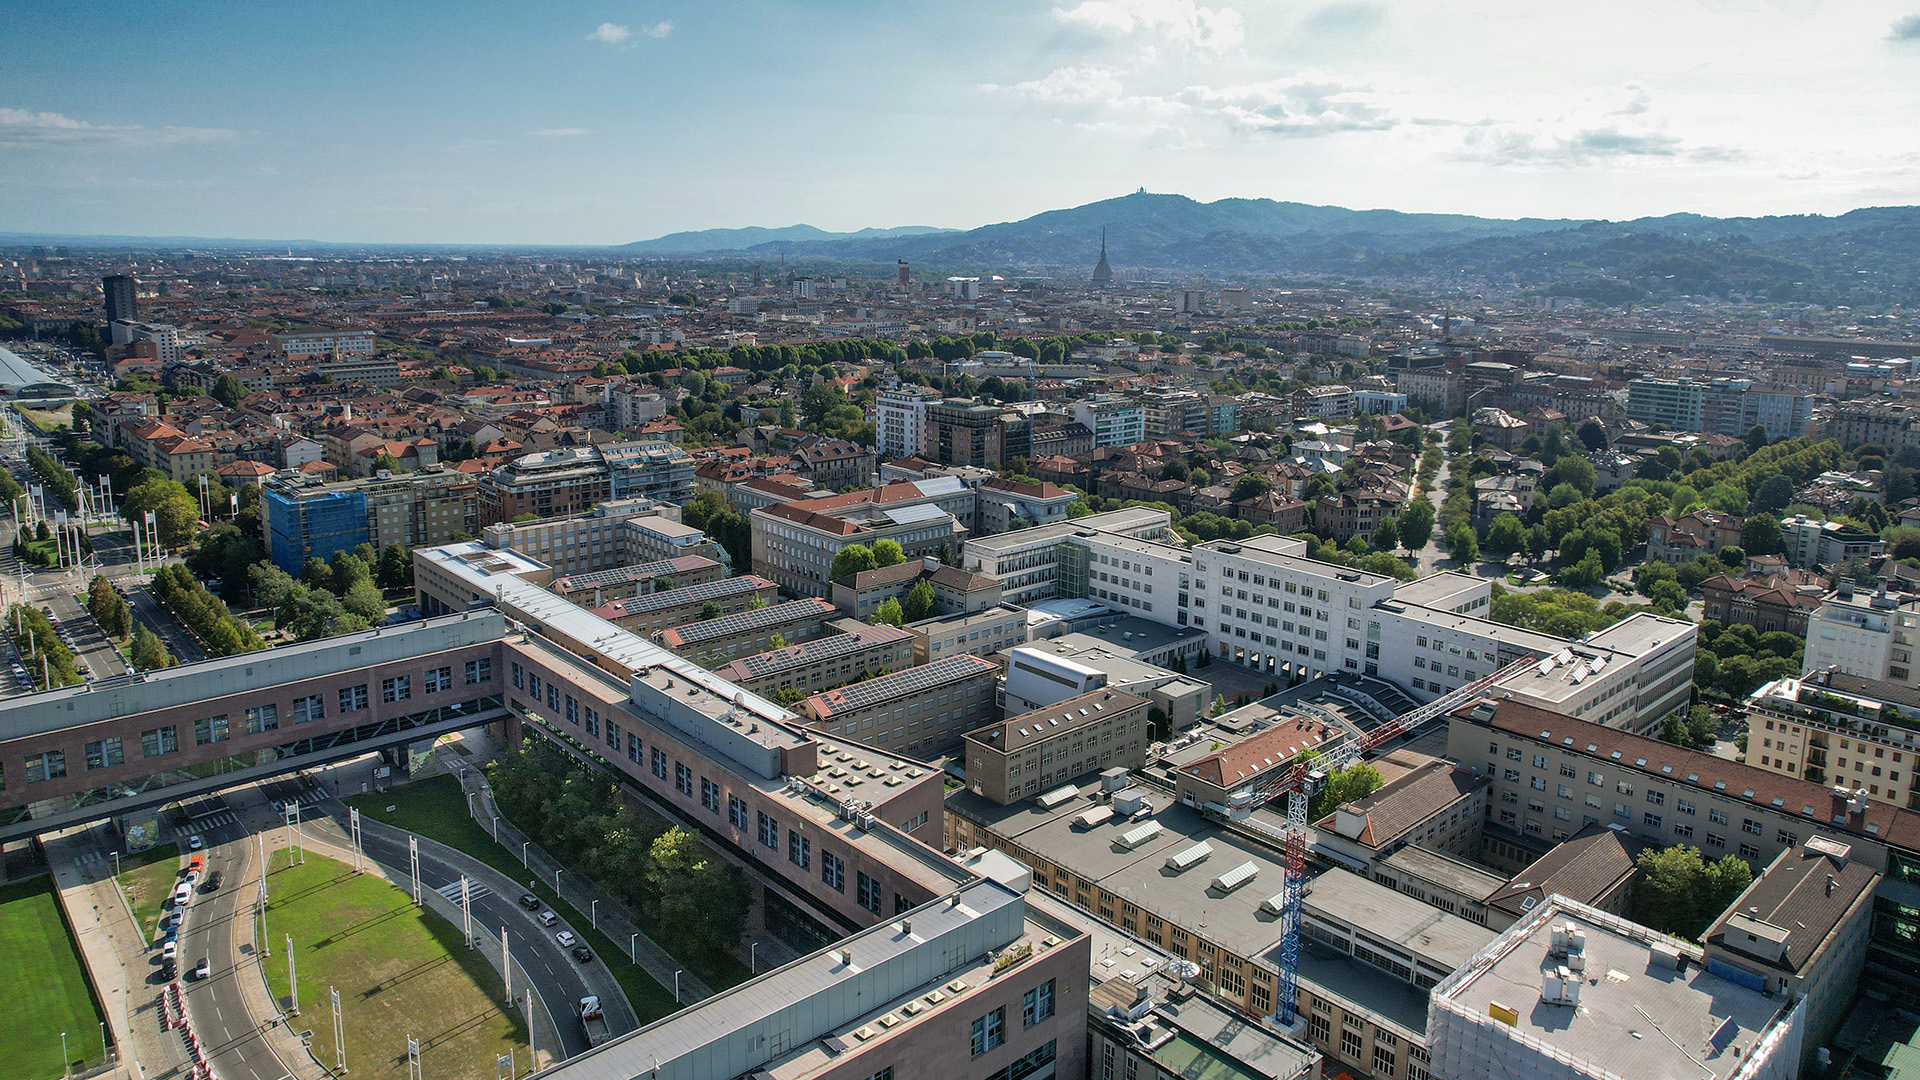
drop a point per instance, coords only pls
(1299, 783)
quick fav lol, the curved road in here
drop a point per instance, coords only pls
(219, 1007)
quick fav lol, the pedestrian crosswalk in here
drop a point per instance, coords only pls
(224, 817)
(87, 858)
(451, 890)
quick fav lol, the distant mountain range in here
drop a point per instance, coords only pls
(1867, 256)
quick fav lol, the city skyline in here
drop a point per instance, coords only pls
(605, 123)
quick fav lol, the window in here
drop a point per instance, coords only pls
(613, 730)
(736, 812)
(51, 765)
(104, 753)
(263, 718)
(210, 729)
(1651, 820)
(1036, 1004)
(553, 697)
(479, 671)
(1539, 761)
(833, 872)
(1538, 783)
(1657, 798)
(1683, 830)
(1748, 851)
(659, 760)
(682, 779)
(519, 677)
(769, 831)
(308, 709)
(1683, 806)
(1382, 1060)
(1786, 838)
(437, 680)
(573, 711)
(1319, 1029)
(1750, 827)
(869, 893)
(709, 794)
(398, 688)
(353, 698)
(1569, 771)
(989, 1031)
(799, 850)
(1350, 1043)
(161, 740)
(1718, 817)
(633, 748)
(1715, 840)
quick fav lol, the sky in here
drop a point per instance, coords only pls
(606, 121)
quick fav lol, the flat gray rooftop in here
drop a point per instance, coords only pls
(1463, 879)
(1632, 1012)
(1341, 897)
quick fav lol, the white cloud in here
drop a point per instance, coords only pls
(610, 34)
(1313, 103)
(658, 30)
(1906, 29)
(1618, 125)
(561, 133)
(1175, 22)
(26, 128)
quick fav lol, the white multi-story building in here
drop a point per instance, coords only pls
(1113, 421)
(1379, 402)
(900, 415)
(1810, 542)
(1868, 636)
(302, 344)
(1025, 561)
(165, 338)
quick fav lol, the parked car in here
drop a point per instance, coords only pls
(548, 918)
(530, 901)
(566, 939)
(170, 951)
(582, 954)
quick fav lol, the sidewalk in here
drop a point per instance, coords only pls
(615, 919)
(114, 950)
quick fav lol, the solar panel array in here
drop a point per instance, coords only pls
(657, 568)
(914, 680)
(695, 594)
(808, 652)
(744, 622)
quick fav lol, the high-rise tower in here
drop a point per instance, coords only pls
(119, 289)
(1102, 273)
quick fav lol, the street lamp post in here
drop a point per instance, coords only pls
(66, 1060)
(593, 912)
(556, 882)
(116, 864)
(523, 852)
(633, 948)
(753, 958)
(676, 986)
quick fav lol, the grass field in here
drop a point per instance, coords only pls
(434, 809)
(400, 970)
(148, 878)
(46, 990)
(48, 420)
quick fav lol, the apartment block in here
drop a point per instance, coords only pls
(1105, 729)
(978, 633)
(313, 520)
(962, 431)
(1114, 421)
(922, 711)
(1850, 733)
(900, 416)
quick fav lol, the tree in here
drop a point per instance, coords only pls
(347, 571)
(1351, 784)
(148, 653)
(919, 602)
(1575, 470)
(1386, 536)
(1461, 543)
(1506, 535)
(853, 559)
(887, 552)
(694, 383)
(1251, 486)
(176, 512)
(1762, 535)
(697, 902)
(1681, 894)
(1415, 524)
(889, 613)
(396, 567)
(1771, 497)
(229, 391)
(1593, 435)
(819, 401)
(1756, 438)
(1584, 574)
(385, 462)
(363, 598)
(711, 610)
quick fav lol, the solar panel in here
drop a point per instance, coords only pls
(904, 684)
(742, 622)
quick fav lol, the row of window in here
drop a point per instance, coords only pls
(990, 1031)
(159, 741)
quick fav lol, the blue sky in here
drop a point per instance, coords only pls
(603, 122)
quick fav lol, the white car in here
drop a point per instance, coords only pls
(566, 939)
(170, 950)
(203, 970)
(194, 843)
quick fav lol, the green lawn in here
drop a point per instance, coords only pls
(148, 878)
(435, 809)
(46, 990)
(400, 970)
(48, 421)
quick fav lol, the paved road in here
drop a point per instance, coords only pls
(149, 613)
(85, 637)
(218, 1005)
